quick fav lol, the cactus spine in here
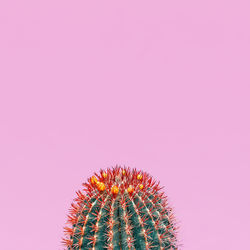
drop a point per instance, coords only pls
(121, 208)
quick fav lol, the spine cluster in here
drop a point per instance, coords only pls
(120, 208)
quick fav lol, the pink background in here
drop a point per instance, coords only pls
(162, 86)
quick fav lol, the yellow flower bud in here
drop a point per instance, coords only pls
(130, 189)
(139, 177)
(114, 190)
(100, 186)
(93, 180)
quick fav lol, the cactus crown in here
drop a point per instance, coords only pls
(121, 208)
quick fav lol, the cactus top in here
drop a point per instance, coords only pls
(121, 208)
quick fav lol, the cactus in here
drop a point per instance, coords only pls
(121, 208)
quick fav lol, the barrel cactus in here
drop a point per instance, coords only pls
(120, 208)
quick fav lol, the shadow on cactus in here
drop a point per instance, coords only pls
(121, 208)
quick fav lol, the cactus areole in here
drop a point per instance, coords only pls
(120, 208)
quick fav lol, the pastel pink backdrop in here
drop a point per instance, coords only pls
(162, 86)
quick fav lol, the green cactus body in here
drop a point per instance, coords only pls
(121, 208)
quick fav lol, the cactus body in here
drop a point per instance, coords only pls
(121, 208)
